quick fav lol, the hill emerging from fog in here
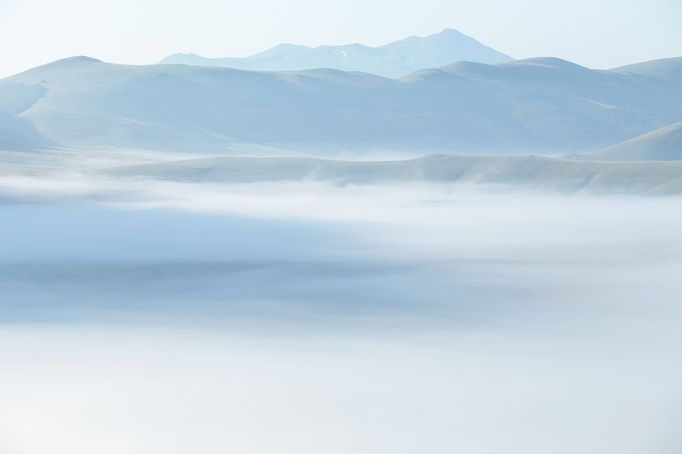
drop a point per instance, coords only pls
(664, 144)
(521, 172)
(543, 105)
(394, 60)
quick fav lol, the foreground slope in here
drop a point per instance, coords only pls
(542, 105)
(396, 59)
(529, 172)
(663, 144)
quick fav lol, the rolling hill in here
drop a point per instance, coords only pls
(542, 105)
(669, 69)
(663, 144)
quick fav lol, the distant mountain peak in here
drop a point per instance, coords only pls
(445, 33)
(449, 33)
(394, 60)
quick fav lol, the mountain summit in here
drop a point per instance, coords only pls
(392, 60)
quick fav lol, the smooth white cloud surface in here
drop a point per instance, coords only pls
(598, 33)
(308, 319)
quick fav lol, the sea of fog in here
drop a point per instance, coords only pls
(147, 317)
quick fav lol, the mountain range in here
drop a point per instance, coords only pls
(541, 105)
(393, 60)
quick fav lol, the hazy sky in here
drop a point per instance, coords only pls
(597, 33)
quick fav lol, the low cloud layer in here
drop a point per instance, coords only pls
(159, 317)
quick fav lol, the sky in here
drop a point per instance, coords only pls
(594, 33)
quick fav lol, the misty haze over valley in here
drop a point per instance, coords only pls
(426, 246)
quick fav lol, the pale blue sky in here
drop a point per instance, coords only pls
(596, 33)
